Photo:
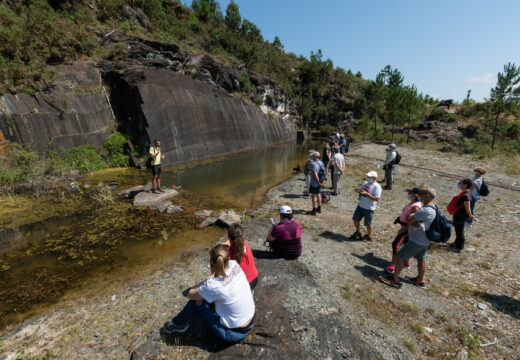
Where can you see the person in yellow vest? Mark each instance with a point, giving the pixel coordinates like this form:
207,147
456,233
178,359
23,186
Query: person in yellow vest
155,156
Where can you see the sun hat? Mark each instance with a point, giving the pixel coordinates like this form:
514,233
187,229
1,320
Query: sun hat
285,210
372,174
317,154
392,146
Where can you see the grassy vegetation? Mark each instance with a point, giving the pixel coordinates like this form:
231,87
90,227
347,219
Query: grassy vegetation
20,164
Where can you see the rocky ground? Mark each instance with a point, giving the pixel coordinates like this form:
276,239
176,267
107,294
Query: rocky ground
328,303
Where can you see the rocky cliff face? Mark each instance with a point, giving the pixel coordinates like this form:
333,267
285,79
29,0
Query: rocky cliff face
72,111
195,105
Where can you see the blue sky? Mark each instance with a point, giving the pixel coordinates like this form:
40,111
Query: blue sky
443,47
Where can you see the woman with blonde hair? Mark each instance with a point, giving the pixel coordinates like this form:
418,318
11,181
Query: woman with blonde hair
224,301
475,189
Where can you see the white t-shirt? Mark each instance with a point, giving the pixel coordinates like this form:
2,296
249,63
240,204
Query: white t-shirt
475,195
339,162
232,296
425,217
373,189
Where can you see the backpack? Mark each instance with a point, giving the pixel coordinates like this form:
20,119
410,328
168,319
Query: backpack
397,159
440,229
452,207
484,189
322,174
325,197
307,167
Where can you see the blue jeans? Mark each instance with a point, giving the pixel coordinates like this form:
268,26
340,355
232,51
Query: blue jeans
472,208
211,318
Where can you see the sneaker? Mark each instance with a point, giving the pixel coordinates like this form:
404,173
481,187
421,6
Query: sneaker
313,212
170,327
161,190
366,238
414,281
355,236
390,269
318,210
155,191
389,280
407,265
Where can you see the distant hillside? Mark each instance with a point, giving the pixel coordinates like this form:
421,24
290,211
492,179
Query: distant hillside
38,33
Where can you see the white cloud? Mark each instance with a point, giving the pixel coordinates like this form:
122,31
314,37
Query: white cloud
485,79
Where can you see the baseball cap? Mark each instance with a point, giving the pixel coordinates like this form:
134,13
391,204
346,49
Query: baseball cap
316,154
372,174
285,210
414,190
392,146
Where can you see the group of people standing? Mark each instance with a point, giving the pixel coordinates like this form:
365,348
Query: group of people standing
225,300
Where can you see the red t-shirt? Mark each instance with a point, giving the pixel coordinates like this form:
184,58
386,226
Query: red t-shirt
247,264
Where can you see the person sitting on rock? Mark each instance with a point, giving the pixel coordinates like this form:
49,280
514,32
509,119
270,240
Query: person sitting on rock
240,251
224,301
155,156
402,234
285,237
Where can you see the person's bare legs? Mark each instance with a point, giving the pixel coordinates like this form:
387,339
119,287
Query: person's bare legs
314,200
398,268
356,224
369,230
421,270
154,182
159,182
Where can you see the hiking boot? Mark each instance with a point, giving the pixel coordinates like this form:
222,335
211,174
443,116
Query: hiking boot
355,236
390,269
366,238
389,280
454,249
170,327
318,210
407,265
413,280
160,190
313,212
155,191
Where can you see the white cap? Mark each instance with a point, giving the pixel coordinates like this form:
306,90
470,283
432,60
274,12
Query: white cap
285,210
311,152
372,174
392,146
316,154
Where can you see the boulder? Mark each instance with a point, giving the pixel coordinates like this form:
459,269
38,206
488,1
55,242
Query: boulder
129,193
208,222
149,198
227,218
201,214
174,208
161,205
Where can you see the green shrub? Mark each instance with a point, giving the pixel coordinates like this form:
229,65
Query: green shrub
115,151
85,159
327,130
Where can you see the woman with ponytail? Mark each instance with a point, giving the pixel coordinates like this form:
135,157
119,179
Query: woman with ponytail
240,251
224,301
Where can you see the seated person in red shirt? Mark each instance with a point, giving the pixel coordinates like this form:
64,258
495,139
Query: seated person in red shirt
240,251
285,237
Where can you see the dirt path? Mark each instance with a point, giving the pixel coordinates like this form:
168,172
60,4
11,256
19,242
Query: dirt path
326,304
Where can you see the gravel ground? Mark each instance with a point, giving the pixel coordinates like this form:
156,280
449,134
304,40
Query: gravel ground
328,303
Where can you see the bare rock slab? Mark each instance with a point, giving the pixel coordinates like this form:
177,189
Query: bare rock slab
174,208
208,222
149,198
128,193
161,205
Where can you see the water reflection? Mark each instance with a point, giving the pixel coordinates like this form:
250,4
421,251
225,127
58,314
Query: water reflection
243,177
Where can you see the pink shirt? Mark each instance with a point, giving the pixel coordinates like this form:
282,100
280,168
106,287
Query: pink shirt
408,209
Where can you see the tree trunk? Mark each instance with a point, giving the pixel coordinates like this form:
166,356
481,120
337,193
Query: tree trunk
495,130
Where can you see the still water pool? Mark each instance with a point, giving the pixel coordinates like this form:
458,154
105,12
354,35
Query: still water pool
68,245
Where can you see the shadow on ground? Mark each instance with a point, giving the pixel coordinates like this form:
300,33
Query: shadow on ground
337,237
503,303
373,260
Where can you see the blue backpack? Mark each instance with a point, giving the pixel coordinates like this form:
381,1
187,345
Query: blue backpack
440,229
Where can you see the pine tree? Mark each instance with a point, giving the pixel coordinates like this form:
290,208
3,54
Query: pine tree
505,94
277,43
233,18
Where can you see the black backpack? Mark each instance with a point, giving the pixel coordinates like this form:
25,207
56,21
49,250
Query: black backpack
397,159
322,175
484,189
440,229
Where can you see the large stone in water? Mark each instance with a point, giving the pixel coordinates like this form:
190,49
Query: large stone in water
149,198
161,205
128,193
228,218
